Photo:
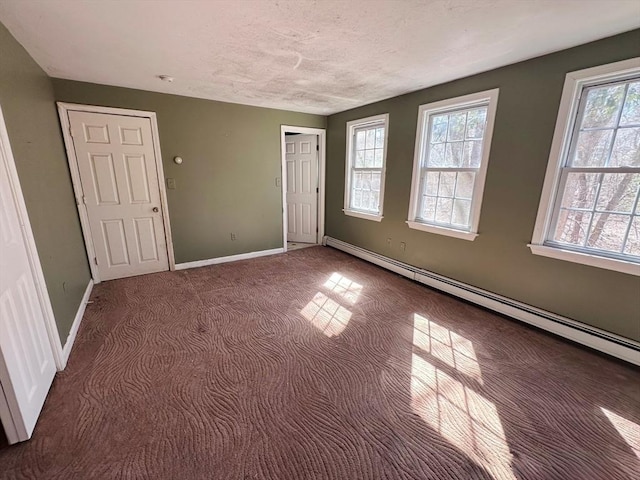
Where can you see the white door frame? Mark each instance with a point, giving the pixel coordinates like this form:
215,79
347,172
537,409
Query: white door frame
63,109
322,161
32,252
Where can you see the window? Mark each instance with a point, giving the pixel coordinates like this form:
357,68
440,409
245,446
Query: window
589,211
365,167
450,163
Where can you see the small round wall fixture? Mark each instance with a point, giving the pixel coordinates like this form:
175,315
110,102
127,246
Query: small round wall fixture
166,78
177,160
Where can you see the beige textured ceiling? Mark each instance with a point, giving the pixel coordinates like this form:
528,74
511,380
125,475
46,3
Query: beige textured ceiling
303,55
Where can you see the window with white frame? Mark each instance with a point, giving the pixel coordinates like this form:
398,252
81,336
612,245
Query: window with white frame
589,211
450,164
365,167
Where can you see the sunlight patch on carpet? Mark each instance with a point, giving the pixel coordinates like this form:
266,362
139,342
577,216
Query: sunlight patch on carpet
628,430
327,315
461,415
446,345
343,286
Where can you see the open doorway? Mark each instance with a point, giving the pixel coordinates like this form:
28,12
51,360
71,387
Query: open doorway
303,186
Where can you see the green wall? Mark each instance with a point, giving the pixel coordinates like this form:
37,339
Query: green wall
27,100
227,183
498,260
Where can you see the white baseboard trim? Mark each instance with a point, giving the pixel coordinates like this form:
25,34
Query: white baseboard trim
230,258
606,342
71,338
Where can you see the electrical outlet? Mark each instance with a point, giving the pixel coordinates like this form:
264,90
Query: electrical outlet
277,181
233,236
171,183
389,242
403,246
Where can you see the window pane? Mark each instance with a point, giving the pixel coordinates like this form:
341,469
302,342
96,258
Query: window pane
428,209
366,194
375,181
375,197
444,208
472,154
371,138
357,199
618,192
602,106
633,241
476,120
360,136
457,126
461,210
453,154
366,181
431,183
572,227
360,159
608,231
580,190
439,128
453,129
626,148
379,138
357,180
464,184
447,184
631,109
436,155
377,161
592,148
368,158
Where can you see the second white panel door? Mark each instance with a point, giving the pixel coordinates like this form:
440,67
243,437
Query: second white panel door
302,183
118,172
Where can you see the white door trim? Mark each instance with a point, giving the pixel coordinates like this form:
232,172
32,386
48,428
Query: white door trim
63,109
322,160
32,251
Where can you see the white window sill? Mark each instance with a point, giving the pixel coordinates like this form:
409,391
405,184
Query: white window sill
450,232
586,259
366,216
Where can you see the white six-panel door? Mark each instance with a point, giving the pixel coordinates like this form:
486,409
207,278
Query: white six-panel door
117,166
27,366
302,183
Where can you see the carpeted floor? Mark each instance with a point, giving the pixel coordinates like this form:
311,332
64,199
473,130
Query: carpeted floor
316,365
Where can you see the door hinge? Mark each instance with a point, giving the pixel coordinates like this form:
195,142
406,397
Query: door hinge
317,148
84,199
95,260
317,190
316,229
70,131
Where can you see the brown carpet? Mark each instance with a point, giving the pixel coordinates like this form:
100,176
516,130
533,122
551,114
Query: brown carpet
316,365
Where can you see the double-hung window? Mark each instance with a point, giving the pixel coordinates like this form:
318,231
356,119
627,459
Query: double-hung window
450,163
589,211
365,167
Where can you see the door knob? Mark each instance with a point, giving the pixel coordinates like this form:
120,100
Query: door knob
155,209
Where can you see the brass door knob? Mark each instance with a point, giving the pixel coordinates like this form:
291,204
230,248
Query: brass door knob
155,209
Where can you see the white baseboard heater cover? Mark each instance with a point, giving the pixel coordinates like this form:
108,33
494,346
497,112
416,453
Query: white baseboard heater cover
606,342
